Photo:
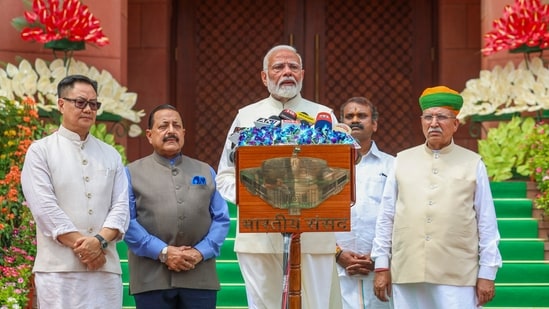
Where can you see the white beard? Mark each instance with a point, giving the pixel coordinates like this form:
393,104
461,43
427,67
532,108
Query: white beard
285,91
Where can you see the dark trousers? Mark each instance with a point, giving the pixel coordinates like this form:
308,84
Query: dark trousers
177,298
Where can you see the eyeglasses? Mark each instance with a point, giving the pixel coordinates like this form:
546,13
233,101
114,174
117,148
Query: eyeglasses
279,67
438,117
82,103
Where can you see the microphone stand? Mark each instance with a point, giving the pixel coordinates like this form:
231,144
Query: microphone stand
286,270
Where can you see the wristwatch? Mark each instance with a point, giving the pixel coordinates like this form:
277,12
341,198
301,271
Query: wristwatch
163,255
102,241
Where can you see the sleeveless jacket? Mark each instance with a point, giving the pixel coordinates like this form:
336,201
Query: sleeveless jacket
435,239
172,203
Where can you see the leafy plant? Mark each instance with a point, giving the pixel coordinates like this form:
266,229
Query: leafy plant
100,131
505,149
538,163
520,146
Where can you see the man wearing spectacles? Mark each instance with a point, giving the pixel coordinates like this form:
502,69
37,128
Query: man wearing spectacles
436,243
260,254
81,103
77,191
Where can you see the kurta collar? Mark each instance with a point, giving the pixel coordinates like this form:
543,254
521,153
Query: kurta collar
444,150
167,162
374,151
292,104
72,136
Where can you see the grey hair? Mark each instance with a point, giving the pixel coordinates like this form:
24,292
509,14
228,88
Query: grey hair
277,48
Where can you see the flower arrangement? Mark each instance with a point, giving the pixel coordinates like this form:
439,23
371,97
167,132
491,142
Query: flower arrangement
65,25
26,90
523,28
19,127
538,154
520,146
51,21
507,90
40,82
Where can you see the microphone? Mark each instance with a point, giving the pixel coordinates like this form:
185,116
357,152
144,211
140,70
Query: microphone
275,117
287,114
235,136
323,120
271,121
305,118
343,128
289,123
288,118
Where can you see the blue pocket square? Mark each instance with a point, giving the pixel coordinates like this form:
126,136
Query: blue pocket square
199,180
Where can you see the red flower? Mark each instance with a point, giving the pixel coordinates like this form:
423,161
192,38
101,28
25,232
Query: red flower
49,21
523,24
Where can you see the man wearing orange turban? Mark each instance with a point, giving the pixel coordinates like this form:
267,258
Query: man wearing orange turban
436,238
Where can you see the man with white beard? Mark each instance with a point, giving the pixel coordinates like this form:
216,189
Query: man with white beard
260,254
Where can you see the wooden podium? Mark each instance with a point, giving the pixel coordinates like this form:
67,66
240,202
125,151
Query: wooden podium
291,189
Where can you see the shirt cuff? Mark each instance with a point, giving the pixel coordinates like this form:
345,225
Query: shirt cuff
488,272
382,262
205,250
62,231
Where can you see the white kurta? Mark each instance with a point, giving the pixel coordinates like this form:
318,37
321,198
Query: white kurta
95,290
370,176
260,254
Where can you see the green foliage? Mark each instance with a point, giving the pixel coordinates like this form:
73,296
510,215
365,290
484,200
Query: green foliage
538,163
505,149
100,131
520,146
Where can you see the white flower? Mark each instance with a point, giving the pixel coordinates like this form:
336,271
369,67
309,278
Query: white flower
135,130
507,90
41,82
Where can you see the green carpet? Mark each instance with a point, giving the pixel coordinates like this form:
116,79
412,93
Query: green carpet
522,282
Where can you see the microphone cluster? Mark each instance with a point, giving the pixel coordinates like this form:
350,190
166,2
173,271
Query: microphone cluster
288,118
294,128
